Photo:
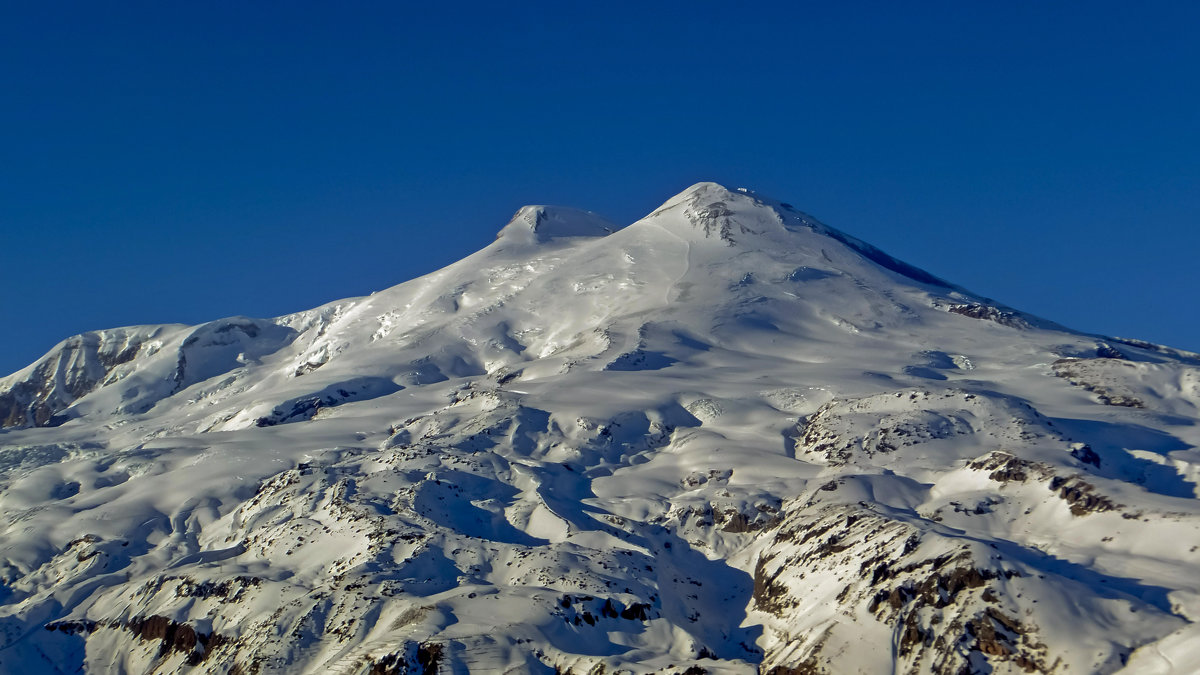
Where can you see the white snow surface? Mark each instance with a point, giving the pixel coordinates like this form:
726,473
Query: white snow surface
726,438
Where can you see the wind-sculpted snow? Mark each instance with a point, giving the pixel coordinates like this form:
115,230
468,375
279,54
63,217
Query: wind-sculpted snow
724,439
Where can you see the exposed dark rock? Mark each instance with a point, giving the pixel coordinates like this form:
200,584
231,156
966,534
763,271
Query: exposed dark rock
1081,495
171,635
429,655
912,635
977,310
1191,357
807,667
415,659
304,408
1106,351
716,219
74,627
736,521
228,588
1084,373
638,610
75,368
932,603
1085,454
392,664
769,594
1007,468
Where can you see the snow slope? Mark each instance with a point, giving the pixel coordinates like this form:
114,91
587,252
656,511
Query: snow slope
726,438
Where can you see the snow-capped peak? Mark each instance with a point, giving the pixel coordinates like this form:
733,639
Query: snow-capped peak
538,224
725,439
710,211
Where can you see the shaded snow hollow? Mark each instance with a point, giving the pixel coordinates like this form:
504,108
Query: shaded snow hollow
541,224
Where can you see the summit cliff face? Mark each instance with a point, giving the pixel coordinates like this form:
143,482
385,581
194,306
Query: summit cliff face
726,438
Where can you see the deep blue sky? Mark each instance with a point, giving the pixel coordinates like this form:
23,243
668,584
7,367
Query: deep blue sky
179,162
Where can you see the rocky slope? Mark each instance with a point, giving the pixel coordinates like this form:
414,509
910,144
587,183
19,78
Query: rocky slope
726,438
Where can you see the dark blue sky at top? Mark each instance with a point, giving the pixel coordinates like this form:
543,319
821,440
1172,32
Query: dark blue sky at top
180,162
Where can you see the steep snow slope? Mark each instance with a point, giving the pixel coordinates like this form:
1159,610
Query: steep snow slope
725,438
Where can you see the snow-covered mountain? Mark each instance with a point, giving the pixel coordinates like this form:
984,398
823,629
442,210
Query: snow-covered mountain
726,438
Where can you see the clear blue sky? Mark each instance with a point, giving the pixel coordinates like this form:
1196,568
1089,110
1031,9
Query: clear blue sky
179,162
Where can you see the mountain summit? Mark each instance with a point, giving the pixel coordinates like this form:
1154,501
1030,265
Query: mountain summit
726,438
